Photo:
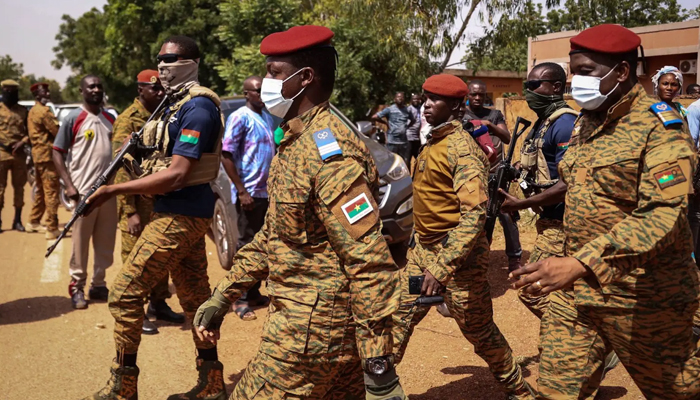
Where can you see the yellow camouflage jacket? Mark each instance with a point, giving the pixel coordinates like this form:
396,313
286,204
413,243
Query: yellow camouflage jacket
13,128
628,177
131,120
449,196
43,127
321,247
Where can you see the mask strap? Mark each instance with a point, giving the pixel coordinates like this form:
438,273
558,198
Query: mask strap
290,77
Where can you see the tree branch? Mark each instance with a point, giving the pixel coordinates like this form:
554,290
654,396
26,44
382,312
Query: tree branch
455,40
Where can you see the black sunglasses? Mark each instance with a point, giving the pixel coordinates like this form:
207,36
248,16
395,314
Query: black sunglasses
535,83
170,58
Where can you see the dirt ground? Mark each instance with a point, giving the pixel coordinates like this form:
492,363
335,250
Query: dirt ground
50,351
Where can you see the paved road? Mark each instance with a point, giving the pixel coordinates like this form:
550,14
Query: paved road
50,351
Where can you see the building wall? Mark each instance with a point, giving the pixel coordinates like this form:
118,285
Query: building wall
496,87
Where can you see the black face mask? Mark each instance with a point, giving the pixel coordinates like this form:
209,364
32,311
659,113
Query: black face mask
10,98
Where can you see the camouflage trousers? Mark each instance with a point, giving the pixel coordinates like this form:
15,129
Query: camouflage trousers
169,243
278,374
468,299
46,199
18,167
549,243
160,291
653,341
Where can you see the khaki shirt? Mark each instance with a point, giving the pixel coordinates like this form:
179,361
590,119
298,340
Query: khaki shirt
13,129
128,122
43,127
627,180
327,265
449,196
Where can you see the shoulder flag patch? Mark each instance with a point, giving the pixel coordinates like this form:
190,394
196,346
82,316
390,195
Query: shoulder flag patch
189,136
563,146
326,143
357,208
670,176
666,114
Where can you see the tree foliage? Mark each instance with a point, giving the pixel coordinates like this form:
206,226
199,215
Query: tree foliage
12,70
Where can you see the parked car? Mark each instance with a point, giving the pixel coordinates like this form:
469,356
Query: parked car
395,194
28,104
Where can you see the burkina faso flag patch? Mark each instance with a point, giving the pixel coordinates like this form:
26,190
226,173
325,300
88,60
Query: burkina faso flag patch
357,208
669,177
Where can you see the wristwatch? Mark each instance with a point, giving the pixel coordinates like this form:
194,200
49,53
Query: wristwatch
378,365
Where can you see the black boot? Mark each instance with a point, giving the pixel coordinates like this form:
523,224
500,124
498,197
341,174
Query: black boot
17,224
162,311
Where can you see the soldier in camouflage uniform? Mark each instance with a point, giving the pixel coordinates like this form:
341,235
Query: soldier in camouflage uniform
13,137
627,277
189,132
134,210
43,127
450,247
330,276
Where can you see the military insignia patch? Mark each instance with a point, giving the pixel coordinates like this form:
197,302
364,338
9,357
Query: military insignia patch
357,208
421,165
154,79
326,143
89,134
666,114
670,176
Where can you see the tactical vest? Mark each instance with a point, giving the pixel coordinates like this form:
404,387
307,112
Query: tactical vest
155,133
531,156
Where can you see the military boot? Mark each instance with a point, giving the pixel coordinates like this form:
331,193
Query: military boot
524,393
122,385
210,384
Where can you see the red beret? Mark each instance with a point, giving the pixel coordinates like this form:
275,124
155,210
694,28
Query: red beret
605,38
37,85
149,76
295,39
446,85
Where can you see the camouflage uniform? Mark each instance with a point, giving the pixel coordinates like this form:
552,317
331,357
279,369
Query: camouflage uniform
627,179
130,121
43,127
13,129
330,281
450,180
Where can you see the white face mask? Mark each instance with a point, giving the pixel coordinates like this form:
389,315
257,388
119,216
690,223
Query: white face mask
271,95
586,90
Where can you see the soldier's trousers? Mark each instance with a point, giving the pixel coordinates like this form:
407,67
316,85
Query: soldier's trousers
169,243
468,299
46,199
653,341
18,167
159,292
549,243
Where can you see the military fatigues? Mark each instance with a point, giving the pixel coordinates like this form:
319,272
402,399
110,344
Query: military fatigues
13,129
43,127
330,276
130,121
449,191
627,179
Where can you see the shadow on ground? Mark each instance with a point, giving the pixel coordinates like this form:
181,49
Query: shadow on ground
498,272
234,381
611,393
479,385
34,309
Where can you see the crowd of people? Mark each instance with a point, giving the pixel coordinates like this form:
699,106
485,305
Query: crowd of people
612,275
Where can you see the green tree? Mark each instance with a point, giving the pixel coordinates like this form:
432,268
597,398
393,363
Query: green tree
26,81
10,69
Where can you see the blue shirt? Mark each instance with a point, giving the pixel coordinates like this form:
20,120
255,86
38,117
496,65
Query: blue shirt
693,118
194,130
556,141
249,137
413,131
399,119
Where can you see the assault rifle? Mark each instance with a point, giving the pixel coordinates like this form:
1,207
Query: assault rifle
505,173
133,146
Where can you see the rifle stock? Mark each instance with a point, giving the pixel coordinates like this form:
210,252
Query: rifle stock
504,175
83,207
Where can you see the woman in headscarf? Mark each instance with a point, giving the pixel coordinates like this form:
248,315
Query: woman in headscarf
668,83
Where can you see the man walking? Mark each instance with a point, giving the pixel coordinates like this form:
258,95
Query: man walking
13,137
187,134
43,127
413,132
399,118
134,211
81,152
247,152
450,247
496,123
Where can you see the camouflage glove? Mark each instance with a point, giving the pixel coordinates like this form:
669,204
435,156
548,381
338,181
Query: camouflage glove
211,313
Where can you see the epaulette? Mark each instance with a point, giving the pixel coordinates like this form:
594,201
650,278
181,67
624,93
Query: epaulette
666,114
326,143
